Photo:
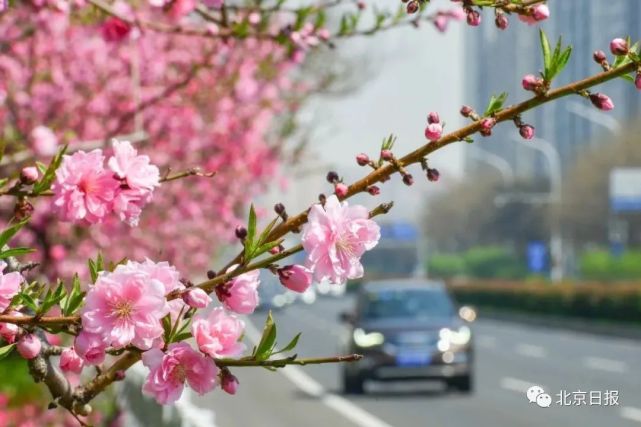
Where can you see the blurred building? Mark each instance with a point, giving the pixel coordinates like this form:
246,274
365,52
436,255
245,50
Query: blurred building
497,60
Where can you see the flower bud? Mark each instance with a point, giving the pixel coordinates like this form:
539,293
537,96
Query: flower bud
387,154
488,123
433,174
433,131
340,189
412,7
279,208
331,177
433,118
602,101
295,277
473,18
9,331
637,81
373,190
211,274
466,110
361,5
29,175
619,46
119,375
540,12
70,361
531,82
526,131
228,382
408,179
241,232
196,298
276,249
501,21
362,159
29,346
599,56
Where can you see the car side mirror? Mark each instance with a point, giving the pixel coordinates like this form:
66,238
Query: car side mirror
467,313
346,317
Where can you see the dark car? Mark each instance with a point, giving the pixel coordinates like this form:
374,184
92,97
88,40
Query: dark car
408,330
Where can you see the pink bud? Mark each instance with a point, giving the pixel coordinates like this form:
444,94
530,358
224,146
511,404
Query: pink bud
115,30
501,21
599,56
527,131
340,189
531,82
412,7
9,331
440,22
386,154
295,277
433,174
196,298
70,361
473,18
540,12
637,81
619,47
602,101
362,159
229,382
374,190
466,110
29,346
29,175
433,131
90,347
433,118
408,179
488,123
323,34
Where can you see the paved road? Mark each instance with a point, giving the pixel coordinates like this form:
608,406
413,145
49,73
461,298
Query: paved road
510,358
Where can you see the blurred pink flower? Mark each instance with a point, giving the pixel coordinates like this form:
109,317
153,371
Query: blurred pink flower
218,334
170,370
70,361
136,170
44,141
335,237
83,189
90,347
196,298
29,346
295,277
125,307
241,293
9,286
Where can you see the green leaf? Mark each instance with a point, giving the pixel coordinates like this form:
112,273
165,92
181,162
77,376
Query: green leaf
495,104
48,176
251,233
268,340
52,298
8,234
72,301
15,252
29,302
291,344
263,236
182,336
547,57
265,247
6,350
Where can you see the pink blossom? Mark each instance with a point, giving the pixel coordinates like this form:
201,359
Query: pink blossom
125,307
335,237
602,101
9,331
170,370
29,346
44,141
90,347
29,174
341,189
240,295
214,3
70,361
196,298
541,12
115,29
295,277
83,189
433,131
637,81
9,286
218,334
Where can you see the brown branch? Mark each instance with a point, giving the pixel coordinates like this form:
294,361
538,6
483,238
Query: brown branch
279,363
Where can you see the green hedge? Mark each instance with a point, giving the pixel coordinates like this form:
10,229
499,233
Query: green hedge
601,265
620,302
481,262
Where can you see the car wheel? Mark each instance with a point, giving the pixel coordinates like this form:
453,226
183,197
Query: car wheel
463,384
353,384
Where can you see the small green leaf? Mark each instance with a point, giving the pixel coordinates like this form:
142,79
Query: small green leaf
547,57
263,236
268,340
29,302
49,175
495,104
15,252
291,344
8,234
265,247
6,350
182,336
72,301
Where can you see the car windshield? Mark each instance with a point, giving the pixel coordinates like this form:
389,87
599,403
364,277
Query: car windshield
416,304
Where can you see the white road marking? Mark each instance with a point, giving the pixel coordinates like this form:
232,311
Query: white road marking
530,350
604,364
515,384
630,413
307,384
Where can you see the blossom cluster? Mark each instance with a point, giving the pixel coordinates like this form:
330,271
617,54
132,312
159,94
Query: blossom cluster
86,192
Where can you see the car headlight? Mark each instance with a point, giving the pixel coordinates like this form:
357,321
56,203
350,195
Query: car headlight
363,339
457,337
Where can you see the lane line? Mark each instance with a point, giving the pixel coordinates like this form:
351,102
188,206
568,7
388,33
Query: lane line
602,364
631,413
515,384
308,385
530,350
486,341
